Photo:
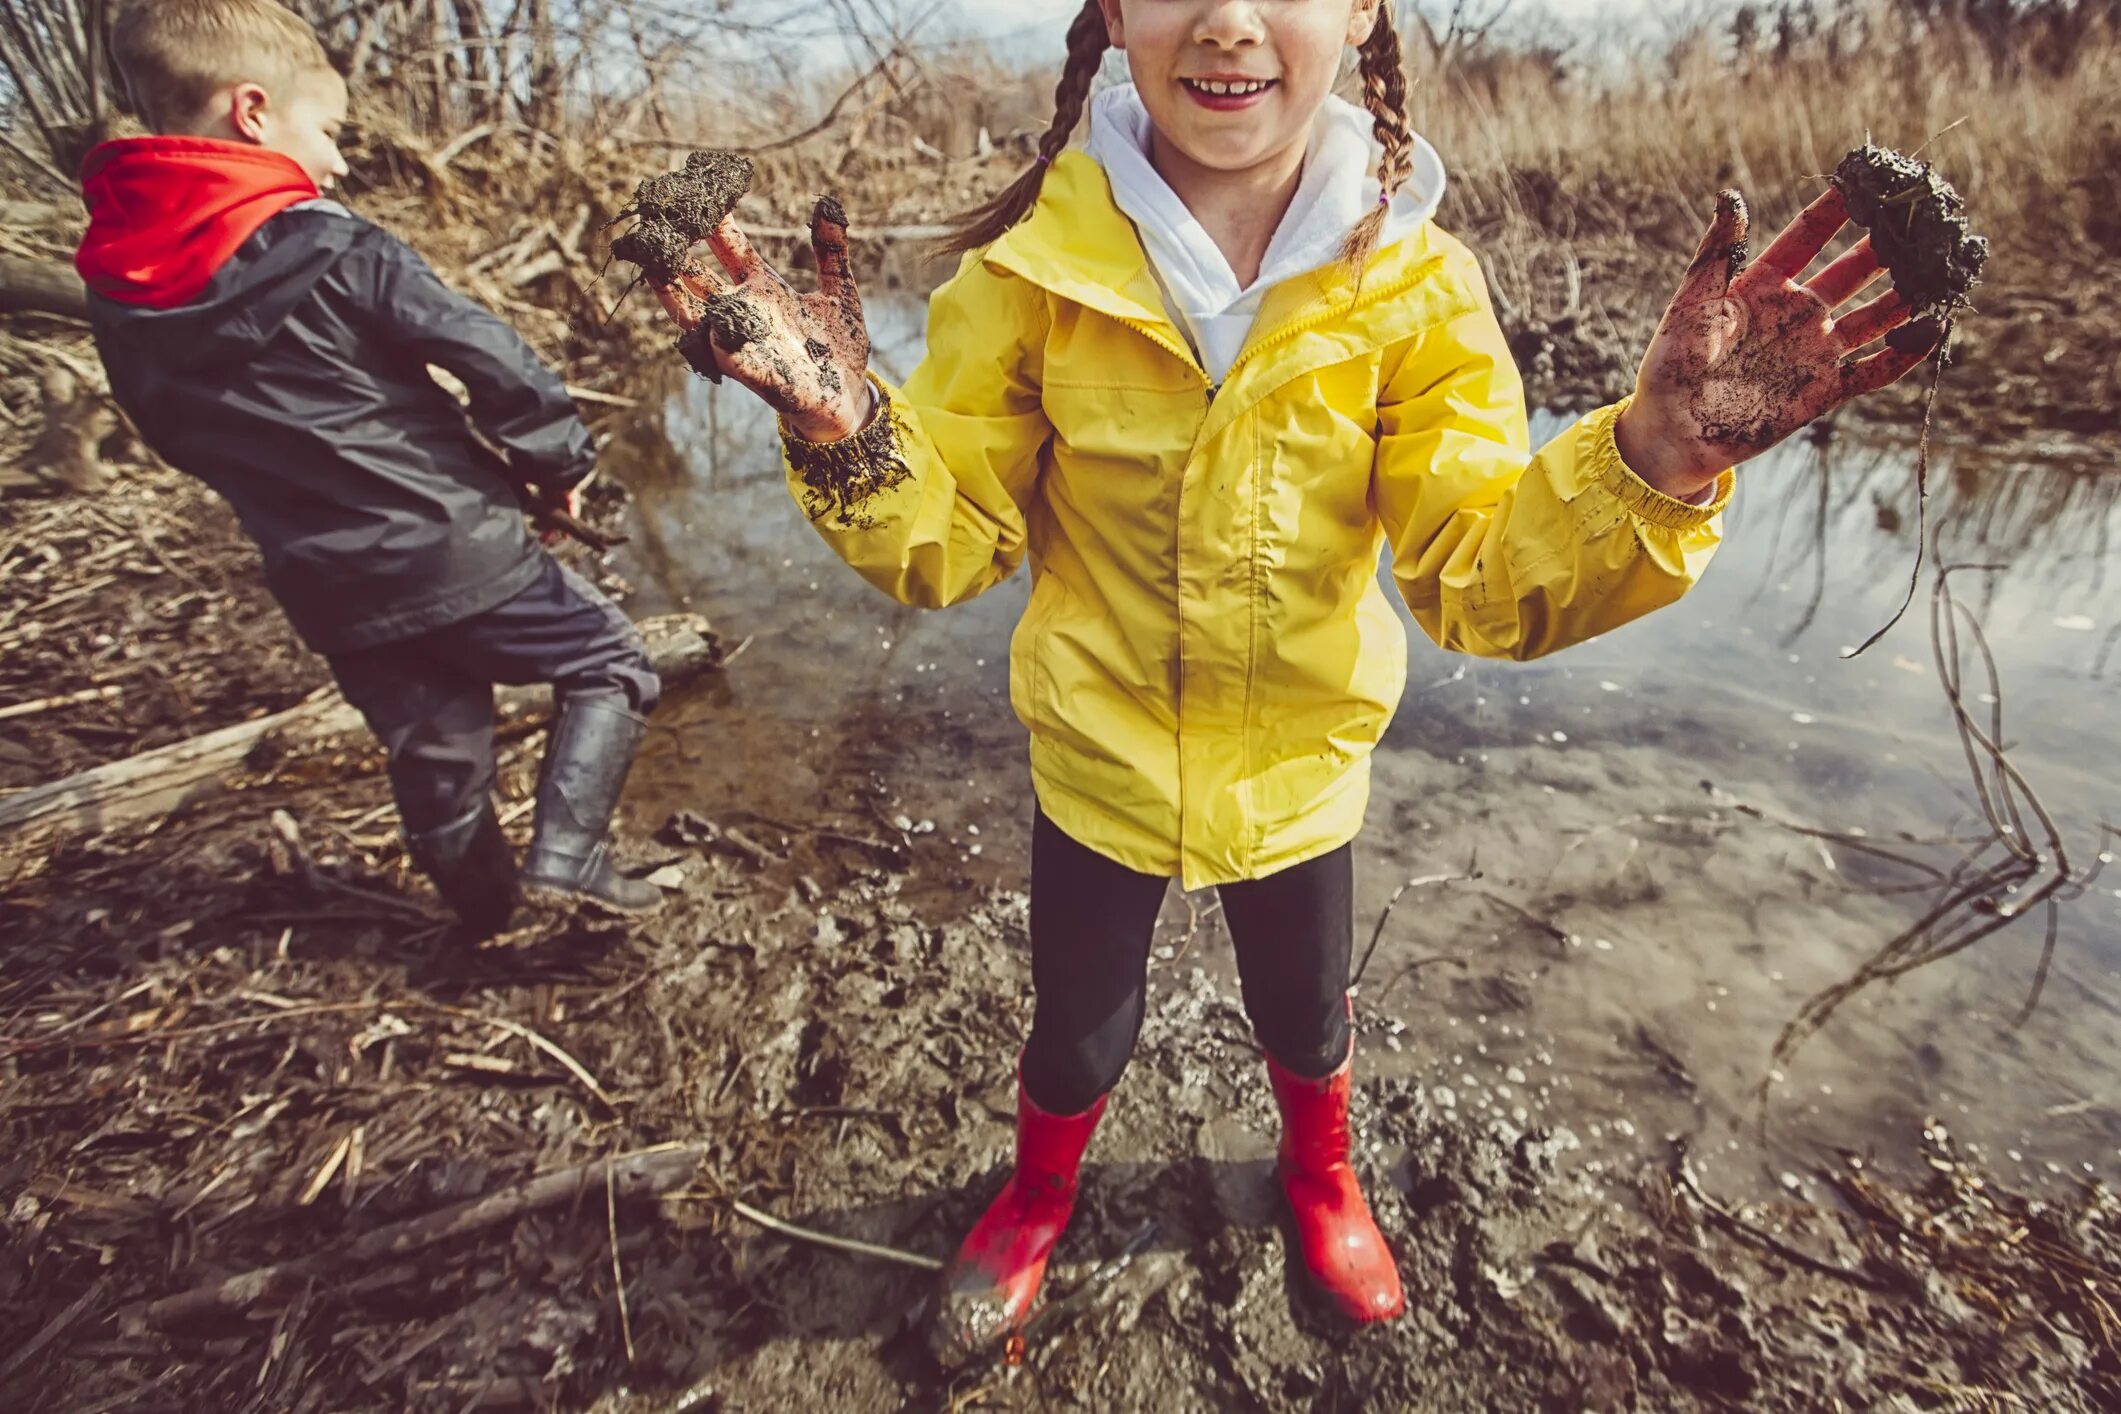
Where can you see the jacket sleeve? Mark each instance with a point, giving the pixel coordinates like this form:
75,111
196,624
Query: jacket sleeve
1506,554
949,522
516,401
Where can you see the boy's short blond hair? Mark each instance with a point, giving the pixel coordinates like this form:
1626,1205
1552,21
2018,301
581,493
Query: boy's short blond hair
176,55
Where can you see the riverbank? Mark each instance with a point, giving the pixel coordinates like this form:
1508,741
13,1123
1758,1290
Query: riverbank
229,1047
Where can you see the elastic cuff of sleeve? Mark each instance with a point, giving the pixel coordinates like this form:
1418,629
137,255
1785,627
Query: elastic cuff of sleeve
879,401
840,479
1600,455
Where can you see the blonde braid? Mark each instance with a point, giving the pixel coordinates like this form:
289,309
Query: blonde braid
983,224
1384,96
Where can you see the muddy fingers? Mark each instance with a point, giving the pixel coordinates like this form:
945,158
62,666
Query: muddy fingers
1887,366
1847,276
828,243
1802,240
805,355
734,249
1866,322
1721,254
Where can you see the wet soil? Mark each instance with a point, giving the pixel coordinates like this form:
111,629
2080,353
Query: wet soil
675,210
733,322
1917,225
830,1013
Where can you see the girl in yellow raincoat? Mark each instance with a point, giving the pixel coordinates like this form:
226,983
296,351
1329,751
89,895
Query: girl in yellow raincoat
1201,374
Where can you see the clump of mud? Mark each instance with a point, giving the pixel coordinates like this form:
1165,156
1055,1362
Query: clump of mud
1917,224
673,211
734,322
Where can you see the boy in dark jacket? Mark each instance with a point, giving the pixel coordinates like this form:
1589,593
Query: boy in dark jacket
271,343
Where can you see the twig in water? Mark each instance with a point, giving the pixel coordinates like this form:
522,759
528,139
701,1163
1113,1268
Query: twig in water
1683,1177
1922,488
1970,904
1422,882
1417,965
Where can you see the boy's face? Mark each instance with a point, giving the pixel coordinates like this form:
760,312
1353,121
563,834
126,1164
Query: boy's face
1274,60
302,121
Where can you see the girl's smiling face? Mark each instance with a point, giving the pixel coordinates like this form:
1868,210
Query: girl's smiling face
1232,85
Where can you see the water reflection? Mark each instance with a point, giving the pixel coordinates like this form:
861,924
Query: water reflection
1606,790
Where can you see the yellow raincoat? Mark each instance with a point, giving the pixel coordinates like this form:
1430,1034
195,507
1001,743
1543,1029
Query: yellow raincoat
1207,658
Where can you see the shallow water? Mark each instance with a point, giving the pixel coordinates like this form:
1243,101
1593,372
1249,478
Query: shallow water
1645,921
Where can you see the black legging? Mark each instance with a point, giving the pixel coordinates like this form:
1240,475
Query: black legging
1091,925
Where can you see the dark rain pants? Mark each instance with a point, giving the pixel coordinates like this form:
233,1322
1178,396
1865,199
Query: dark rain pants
1092,922
430,699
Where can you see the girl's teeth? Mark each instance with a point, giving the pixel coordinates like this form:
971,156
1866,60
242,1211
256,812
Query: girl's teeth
1225,89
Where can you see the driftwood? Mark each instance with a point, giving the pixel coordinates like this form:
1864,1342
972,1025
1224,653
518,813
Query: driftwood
650,1172
154,782
75,423
41,287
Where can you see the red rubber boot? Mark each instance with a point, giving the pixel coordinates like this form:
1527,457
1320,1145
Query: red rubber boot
1342,1248
991,1285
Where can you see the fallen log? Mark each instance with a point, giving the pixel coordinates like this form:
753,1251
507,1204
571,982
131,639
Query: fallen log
75,423
640,1175
41,287
151,784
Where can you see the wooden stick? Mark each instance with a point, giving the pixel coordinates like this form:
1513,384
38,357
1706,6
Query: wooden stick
642,1174
578,529
145,786
1683,1175
618,1277
574,1067
826,1239
54,1328
595,395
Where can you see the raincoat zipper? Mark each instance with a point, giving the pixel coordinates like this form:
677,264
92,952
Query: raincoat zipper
1306,323
1286,331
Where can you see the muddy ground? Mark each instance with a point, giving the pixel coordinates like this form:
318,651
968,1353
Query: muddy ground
231,1043
243,1035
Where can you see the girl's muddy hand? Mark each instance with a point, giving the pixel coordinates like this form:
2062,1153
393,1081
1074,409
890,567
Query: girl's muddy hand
807,356
1747,354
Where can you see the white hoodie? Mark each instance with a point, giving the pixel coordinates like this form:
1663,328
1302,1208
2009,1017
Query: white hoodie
1335,191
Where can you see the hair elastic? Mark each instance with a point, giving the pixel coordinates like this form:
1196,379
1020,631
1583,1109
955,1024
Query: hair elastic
1044,160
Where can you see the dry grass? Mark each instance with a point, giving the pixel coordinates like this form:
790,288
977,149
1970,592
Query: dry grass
2016,106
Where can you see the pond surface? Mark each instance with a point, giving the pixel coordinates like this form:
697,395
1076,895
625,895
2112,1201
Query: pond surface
1652,908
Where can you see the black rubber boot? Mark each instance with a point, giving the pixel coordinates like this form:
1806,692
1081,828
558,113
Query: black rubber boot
592,747
472,867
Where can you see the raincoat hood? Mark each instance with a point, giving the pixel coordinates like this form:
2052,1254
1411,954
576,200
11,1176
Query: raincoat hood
166,213
1335,192
294,380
